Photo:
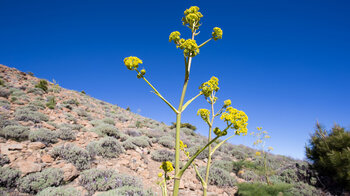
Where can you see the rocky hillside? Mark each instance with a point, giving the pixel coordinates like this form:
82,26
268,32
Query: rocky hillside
56,141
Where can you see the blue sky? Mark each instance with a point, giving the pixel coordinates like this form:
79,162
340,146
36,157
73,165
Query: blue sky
285,63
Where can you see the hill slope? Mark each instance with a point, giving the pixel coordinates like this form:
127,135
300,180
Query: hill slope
56,137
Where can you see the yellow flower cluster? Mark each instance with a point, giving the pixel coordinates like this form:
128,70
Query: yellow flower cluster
192,17
167,166
270,148
190,47
132,62
183,148
204,113
238,119
174,36
217,33
218,132
210,86
227,103
258,153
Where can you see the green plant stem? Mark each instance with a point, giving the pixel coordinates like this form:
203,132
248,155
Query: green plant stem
190,101
204,43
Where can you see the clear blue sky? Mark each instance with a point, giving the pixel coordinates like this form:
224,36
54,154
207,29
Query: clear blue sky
285,63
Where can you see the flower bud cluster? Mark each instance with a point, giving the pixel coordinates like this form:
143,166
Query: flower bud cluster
210,86
218,132
132,62
192,18
189,46
141,73
237,118
174,36
227,103
204,113
167,166
217,33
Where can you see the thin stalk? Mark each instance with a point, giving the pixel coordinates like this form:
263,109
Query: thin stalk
204,43
209,147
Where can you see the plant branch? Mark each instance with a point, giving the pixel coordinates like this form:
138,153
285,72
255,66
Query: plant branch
204,43
189,101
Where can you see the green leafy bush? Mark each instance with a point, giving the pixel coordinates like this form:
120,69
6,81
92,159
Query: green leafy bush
107,147
43,135
30,113
59,191
127,191
330,155
102,180
2,83
163,155
9,177
141,141
51,102
73,154
254,189
16,132
42,84
218,177
35,182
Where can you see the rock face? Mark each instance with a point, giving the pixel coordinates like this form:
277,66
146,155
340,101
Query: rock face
70,171
26,167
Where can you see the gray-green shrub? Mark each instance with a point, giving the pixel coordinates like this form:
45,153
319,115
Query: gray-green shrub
128,191
73,154
4,160
16,132
102,180
4,92
59,191
66,133
141,141
43,135
30,113
128,145
8,177
106,130
167,141
219,177
163,155
35,182
254,189
107,147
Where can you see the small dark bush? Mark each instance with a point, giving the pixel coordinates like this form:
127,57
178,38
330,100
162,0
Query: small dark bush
73,154
36,91
4,92
219,177
107,147
128,191
133,133
43,135
35,182
51,102
2,83
59,191
16,132
8,177
42,84
141,141
5,104
163,155
102,180
106,130
29,113
254,189
4,160
30,73
167,141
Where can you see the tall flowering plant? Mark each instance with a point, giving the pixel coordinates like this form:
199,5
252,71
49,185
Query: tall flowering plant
191,19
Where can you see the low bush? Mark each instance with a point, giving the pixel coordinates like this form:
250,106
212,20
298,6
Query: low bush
4,92
107,147
30,113
141,141
249,175
203,155
81,112
36,91
2,83
35,182
51,102
42,84
163,155
73,154
123,137
102,180
226,165
253,189
4,160
128,145
66,133
106,130
38,104
16,132
167,141
303,189
9,177
43,135
133,133
59,191
128,191
109,121
5,104
218,177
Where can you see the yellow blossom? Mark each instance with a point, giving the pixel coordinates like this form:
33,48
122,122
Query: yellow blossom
227,103
132,62
204,113
174,36
192,18
190,47
267,136
167,166
258,153
237,118
217,33
160,174
270,148
210,86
